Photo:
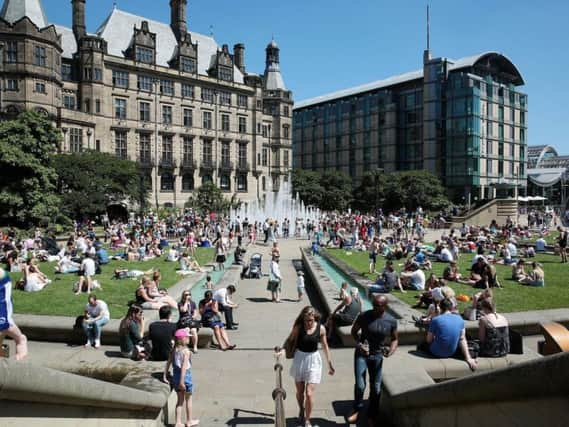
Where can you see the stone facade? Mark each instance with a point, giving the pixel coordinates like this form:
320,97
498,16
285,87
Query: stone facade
172,100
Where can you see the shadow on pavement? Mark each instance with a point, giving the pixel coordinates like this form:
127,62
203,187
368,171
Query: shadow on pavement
250,418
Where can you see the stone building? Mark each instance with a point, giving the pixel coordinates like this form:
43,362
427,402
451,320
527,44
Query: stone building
170,99
464,120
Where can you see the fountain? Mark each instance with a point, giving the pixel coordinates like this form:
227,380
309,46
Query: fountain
279,205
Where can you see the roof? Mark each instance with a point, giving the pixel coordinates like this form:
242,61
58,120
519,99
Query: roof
117,30
14,10
273,78
546,177
454,65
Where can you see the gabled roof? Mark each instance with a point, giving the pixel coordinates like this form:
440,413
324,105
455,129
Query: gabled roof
14,10
117,30
467,62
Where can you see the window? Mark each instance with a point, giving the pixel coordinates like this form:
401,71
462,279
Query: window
120,108
265,157
286,159
224,183
187,65
188,117
144,148
286,131
489,129
66,72
225,153
489,167
144,54
242,101
242,155
145,83
187,182
88,73
266,130
286,111
11,52
501,131
207,119
224,98
225,122
242,182
75,140
207,152
120,78
522,117
242,124
501,168
225,73
166,87
98,145
69,102
522,135
97,106
167,182
144,112
120,144
87,104
187,90
187,149
206,179
40,56
489,110
167,114
167,145
98,74
264,184
207,95
501,113
12,85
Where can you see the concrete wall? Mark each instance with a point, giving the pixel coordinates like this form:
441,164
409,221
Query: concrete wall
497,209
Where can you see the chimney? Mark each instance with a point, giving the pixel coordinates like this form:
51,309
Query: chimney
239,56
178,18
79,29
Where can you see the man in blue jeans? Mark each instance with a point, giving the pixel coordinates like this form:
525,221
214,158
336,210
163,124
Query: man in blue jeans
375,325
96,316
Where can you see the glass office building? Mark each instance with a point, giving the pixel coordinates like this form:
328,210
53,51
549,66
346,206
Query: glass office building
463,120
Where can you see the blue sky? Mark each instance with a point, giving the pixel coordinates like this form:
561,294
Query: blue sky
327,45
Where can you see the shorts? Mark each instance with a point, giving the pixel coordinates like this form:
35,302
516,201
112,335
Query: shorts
187,380
220,259
342,319
373,257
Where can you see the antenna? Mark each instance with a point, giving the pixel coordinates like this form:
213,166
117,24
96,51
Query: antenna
115,4
211,30
428,29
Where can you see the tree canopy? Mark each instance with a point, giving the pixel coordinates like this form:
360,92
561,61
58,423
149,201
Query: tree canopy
208,198
330,190
88,182
27,178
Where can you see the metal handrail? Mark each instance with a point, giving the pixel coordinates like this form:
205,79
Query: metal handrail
279,393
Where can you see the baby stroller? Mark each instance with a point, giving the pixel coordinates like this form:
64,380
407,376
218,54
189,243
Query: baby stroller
255,266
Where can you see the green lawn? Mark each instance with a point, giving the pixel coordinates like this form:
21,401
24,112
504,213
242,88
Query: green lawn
59,300
513,297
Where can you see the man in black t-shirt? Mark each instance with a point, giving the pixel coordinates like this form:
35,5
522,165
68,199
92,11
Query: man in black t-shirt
161,334
375,326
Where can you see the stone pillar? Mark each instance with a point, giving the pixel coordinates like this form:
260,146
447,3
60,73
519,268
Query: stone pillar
79,29
239,56
178,18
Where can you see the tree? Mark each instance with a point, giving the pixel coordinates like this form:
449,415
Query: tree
27,178
307,185
337,191
370,194
89,182
208,198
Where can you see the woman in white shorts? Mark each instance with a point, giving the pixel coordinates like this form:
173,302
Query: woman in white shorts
306,367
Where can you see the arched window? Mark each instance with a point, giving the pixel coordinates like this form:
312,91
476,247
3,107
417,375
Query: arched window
224,183
206,179
187,182
264,184
167,182
241,182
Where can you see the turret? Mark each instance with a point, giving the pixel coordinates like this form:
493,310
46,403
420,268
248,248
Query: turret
178,18
239,56
79,29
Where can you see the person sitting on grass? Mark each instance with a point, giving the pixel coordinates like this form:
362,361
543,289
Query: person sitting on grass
446,336
88,271
34,279
451,273
518,271
188,265
387,281
421,259
65,265
536,277
148,297
413,279
346,312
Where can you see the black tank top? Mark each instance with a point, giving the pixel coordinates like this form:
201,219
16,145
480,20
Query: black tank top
308,343
138,297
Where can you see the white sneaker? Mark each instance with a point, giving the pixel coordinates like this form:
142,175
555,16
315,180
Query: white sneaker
97,343
88,344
